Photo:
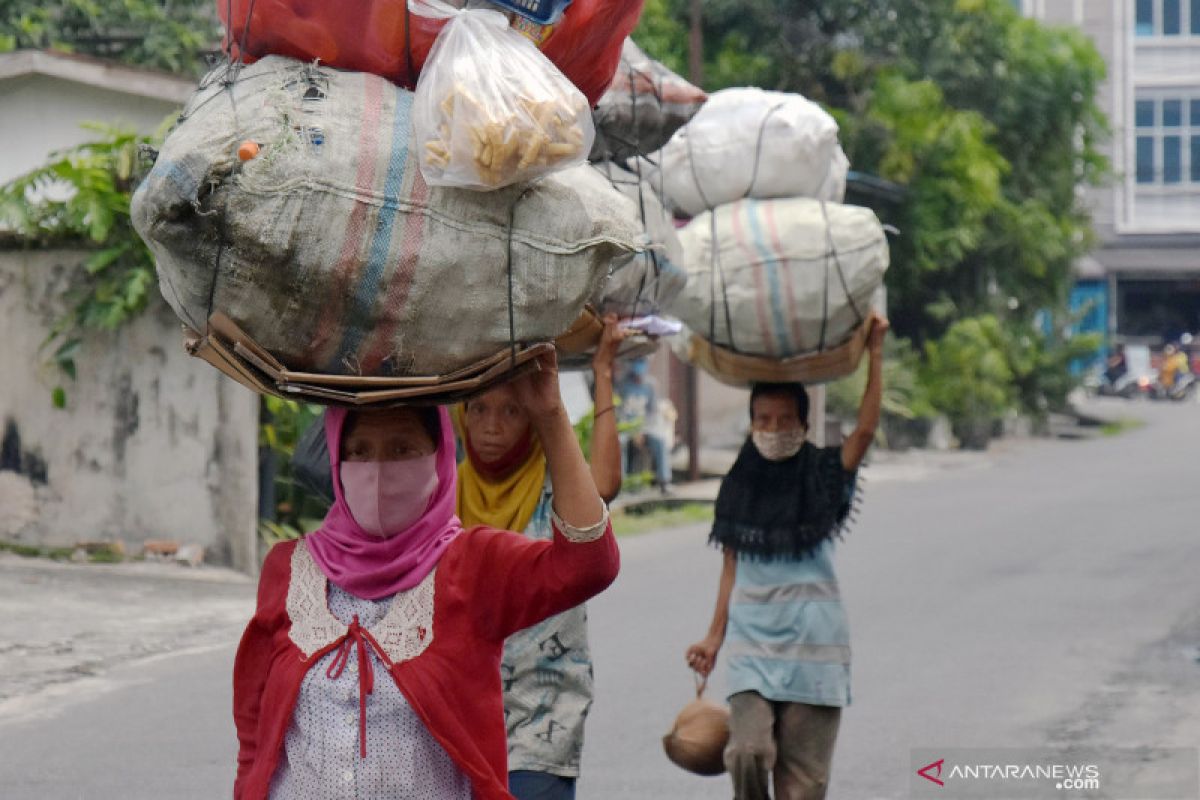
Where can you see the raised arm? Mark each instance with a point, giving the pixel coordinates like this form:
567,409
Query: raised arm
576,499
854,449
525,580
702,656
606,447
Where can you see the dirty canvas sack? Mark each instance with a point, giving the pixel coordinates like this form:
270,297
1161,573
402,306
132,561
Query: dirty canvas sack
491,110
648,283
328,249
753,143
643,107
781,278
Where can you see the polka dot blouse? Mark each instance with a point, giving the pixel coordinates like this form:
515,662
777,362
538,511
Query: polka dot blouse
322,756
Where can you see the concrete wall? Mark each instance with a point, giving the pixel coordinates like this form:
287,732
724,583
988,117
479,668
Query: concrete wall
152,443
42,114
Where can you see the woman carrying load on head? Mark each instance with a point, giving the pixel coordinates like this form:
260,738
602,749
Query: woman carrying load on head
779,614
371,667
546,669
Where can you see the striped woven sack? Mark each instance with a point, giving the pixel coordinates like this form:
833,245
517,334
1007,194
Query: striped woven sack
781,278
328,249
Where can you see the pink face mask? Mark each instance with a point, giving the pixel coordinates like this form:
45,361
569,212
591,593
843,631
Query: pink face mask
385,497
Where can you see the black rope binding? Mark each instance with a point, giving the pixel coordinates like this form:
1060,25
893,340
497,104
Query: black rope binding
512,314
758,147
228,81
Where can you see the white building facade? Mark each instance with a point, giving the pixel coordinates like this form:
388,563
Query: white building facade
1145,273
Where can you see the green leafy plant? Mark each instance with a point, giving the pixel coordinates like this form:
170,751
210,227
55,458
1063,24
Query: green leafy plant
1040,359
81,199
297,509
968,377
174,36
903,394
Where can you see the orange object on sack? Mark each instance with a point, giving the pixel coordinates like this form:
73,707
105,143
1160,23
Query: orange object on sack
248,150
370,36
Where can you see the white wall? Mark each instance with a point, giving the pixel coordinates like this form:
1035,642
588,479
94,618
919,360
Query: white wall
40,114
152,444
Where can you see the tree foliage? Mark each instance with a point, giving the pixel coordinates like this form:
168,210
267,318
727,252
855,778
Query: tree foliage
171,35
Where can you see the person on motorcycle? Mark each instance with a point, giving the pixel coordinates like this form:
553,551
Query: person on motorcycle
1116,366
1174,365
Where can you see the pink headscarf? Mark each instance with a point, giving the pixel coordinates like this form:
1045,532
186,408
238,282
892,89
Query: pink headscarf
371,567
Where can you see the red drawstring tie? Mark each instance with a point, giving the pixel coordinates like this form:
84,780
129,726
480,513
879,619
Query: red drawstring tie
357,635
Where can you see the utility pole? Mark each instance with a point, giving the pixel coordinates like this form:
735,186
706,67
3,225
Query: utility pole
691,380
696,45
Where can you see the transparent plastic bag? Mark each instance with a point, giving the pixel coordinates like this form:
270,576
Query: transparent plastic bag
490,110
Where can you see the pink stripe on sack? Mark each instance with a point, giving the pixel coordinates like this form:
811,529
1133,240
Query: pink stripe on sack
784,275
328,334
400,284
759,287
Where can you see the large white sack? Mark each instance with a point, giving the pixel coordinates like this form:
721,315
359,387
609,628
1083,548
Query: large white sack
789,276
753,143
651,280
332,253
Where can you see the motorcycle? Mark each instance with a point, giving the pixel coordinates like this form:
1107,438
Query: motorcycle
1185,388
1126,385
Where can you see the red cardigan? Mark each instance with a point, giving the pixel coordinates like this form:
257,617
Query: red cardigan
488,585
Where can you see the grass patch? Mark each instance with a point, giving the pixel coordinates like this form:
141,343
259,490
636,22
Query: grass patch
1123,425
103,556
632,522
33,551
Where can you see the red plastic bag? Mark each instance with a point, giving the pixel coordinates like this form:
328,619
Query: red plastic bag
369,36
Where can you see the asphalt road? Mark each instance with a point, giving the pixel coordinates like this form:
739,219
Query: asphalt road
1046,595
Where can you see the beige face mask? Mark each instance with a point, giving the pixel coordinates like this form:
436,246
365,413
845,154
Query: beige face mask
778,445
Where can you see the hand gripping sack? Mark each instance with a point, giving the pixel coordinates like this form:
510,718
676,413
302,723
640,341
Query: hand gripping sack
329,250
649,282
643,107
697,741
781,278
387,38
753,143
490,110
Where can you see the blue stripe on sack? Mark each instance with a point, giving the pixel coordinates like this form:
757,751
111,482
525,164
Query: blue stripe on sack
370,281
771,265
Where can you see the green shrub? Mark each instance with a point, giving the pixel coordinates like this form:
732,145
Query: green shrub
968,376
297,510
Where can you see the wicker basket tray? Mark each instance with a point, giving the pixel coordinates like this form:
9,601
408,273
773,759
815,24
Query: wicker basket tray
741,370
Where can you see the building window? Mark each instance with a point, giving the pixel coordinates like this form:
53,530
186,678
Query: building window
1167,143
1171,17
1166,17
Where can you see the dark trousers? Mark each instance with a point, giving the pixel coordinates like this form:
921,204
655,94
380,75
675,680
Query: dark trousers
528,785
793,742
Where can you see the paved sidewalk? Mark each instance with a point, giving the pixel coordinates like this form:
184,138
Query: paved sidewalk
60,623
